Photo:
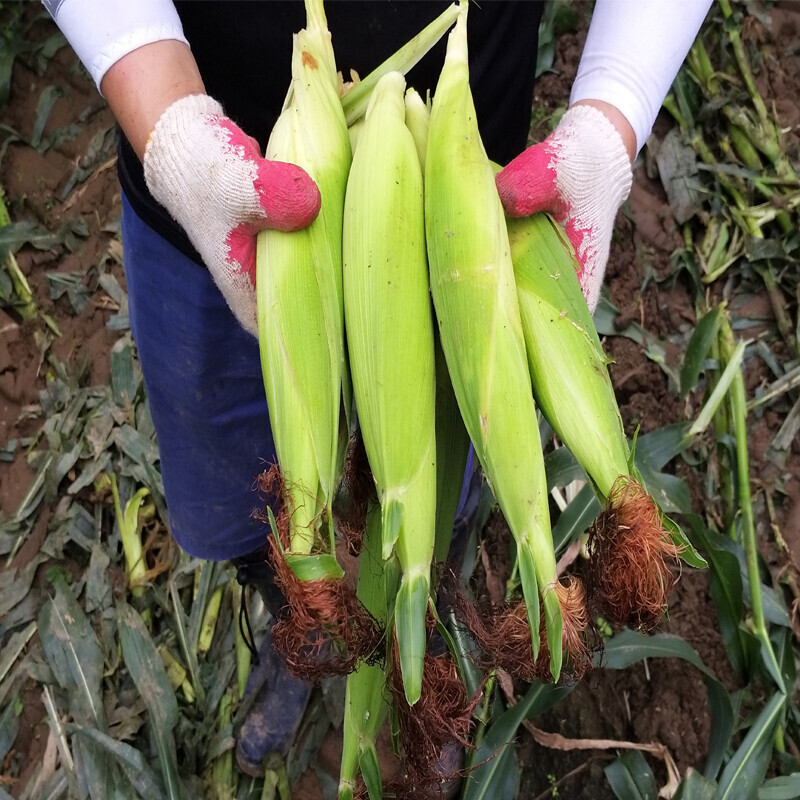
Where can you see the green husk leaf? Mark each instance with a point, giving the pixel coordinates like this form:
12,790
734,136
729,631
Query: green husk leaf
410,609
355,101
452,452
392,523
317,566
371,772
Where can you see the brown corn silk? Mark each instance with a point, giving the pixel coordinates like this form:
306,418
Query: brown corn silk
629,572
323,630
503,635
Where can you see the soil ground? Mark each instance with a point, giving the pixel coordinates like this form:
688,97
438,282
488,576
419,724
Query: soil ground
662,701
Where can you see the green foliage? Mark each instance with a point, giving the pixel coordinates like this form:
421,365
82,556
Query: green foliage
497,769
631,778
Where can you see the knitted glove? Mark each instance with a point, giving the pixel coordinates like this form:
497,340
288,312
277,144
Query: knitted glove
213,180
581,174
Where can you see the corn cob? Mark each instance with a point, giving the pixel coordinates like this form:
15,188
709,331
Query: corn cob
629,576
390,337
299,290
567,364
473,290
452,441
301,340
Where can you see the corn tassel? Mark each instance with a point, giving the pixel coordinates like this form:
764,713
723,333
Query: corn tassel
299,290
472,282
390,337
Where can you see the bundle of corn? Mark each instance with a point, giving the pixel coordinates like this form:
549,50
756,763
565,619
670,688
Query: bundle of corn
301,339
631,549
472,283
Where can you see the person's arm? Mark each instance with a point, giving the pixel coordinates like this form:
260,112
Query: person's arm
144,83
582,172
208,173
618,120
632,54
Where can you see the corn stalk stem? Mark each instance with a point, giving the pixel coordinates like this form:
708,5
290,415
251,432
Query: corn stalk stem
786,383
741,209
223,775
738,409
130,534
742,62
365,693
721,428
209,624
243,654
315,14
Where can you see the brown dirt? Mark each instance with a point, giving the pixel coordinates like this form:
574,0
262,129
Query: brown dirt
664,701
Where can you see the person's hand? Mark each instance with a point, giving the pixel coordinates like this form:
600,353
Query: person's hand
213,180
581,174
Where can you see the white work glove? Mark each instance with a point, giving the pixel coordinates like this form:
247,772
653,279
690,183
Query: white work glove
581,174
213,179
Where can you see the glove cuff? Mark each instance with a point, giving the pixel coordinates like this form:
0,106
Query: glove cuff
168,138
592,152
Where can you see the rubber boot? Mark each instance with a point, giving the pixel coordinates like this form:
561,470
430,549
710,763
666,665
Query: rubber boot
279,700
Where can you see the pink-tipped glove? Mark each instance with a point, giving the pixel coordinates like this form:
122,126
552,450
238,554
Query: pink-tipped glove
213,180
581,174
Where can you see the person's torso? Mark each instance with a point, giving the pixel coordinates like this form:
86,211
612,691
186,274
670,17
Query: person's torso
243,50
